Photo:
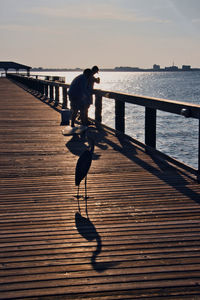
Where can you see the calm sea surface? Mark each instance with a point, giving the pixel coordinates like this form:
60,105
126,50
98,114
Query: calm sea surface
176,135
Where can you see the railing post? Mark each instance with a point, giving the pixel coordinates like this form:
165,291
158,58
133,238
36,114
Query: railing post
98,108
35,85
120,116
64,104
42,88
51,93
57,94
46,90
37,88
150,127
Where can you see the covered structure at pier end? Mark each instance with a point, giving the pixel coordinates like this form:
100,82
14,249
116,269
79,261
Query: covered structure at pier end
9,65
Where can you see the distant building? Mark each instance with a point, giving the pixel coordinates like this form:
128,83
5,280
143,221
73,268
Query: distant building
156,67
172,68
186,67
126,69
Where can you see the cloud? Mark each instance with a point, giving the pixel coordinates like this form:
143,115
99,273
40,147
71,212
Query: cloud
196,21
95,11
24,28
14,27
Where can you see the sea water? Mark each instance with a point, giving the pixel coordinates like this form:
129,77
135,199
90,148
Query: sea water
177,136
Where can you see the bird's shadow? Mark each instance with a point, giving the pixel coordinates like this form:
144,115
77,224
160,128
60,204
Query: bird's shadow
88,231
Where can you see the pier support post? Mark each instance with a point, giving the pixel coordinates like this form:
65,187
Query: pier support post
120,116
150,127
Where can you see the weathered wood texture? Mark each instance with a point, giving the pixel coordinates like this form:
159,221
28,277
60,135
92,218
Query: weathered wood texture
142,238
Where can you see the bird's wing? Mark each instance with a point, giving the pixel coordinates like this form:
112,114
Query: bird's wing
83,166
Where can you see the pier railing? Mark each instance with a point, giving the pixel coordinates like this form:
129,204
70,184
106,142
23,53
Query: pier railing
57,91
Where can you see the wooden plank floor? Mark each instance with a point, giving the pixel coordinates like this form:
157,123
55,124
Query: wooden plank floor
142,238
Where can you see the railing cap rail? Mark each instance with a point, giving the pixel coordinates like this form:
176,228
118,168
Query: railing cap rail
171,106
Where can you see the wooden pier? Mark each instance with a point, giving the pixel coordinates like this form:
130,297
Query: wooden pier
142,237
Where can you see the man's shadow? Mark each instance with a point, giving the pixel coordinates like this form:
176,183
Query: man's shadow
88,231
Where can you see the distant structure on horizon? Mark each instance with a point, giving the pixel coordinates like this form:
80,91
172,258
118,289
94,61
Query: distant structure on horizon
186,68
175,68
9,66
155,68
172,68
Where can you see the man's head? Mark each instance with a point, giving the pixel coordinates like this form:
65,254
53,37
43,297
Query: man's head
95,70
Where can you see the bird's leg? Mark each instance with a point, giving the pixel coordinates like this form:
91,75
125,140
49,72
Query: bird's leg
78,199
79,206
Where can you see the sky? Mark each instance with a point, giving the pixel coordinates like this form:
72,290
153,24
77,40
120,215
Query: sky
107,33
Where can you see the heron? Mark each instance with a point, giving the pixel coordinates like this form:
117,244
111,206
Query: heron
82,168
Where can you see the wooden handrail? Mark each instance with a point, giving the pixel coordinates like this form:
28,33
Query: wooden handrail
170,106
50,89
